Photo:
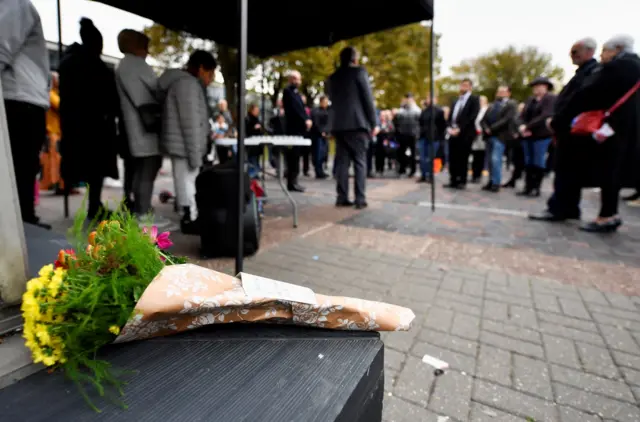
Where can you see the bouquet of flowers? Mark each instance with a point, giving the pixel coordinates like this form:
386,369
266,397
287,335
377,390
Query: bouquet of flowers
122,284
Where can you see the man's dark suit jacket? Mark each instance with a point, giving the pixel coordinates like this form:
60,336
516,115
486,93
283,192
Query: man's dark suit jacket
504,126
466,118
352,107
294,111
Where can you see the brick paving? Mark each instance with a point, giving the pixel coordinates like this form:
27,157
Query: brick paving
521,348
538,322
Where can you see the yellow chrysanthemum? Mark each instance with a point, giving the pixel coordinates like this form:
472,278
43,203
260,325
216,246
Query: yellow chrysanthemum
114,329
46,271
42,333
34,285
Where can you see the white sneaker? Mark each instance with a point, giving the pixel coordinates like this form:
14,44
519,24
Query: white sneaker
159,222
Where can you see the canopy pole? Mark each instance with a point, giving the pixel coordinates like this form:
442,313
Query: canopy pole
59,18
243,6
432,128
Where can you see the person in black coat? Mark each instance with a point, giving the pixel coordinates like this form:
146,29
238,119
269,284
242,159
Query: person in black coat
253,127
353,117
536,136
320,129
298,124
462,132
572,165
499,125
426,143
89,104
618,155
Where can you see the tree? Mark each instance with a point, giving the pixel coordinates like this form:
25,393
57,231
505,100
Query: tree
509,66
396,59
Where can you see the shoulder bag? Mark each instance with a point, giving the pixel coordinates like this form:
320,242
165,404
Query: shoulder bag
590,122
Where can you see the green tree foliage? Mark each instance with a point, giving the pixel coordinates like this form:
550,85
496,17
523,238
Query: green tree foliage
397,61
509,66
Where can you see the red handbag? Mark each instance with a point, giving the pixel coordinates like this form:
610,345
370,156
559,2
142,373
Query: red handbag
589,122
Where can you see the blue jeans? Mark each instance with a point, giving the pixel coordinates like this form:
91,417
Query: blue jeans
535,152
426,161
497,152
319,155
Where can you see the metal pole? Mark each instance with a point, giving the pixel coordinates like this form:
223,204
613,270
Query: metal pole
67,188
243,6
432,123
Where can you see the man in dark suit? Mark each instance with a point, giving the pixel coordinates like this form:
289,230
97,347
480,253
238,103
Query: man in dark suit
462,132
298,124
499,125
572,152
353,122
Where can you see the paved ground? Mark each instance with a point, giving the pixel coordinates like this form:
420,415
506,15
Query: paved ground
539,322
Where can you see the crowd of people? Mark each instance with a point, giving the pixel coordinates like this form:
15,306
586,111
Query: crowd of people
472,135
91,114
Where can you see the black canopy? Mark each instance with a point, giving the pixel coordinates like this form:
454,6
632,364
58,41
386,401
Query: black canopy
278,26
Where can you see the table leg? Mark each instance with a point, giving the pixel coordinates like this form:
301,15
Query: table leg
264,170
294,206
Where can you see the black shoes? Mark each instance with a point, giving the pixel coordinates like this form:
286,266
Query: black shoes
343,203
295,188
548,216
606,227
187,225
510,184
346,203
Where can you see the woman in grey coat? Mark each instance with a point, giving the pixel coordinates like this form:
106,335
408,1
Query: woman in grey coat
137,87
185,128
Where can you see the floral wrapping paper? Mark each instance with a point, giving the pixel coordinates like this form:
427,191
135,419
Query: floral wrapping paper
184,297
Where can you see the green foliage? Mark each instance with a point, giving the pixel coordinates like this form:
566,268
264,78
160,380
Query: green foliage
101,290
509,66
397,61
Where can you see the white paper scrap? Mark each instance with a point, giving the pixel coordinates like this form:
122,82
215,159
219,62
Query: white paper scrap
436,363
257,286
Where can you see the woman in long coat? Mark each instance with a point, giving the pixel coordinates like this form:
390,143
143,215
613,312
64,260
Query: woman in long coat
619,155
89,105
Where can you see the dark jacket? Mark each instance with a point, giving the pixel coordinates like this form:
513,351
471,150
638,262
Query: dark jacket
295,112
502,122
576,154
250,123
278,124
407,120
440,123
466,118
321,121
352,104
535,115
89,105
620,154
577,81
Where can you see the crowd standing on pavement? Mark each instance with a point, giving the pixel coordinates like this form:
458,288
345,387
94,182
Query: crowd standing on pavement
142,118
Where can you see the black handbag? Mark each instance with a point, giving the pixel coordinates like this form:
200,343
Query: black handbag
150,114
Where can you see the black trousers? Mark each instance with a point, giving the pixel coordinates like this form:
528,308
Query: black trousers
478,164
380,155
515,156
28,133
459,150
306,156
145,173
406,142
95,207
351,147
293,165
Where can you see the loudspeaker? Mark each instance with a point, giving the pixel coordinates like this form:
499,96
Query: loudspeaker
217,199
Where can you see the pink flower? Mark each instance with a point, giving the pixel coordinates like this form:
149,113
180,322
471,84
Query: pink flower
162,239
